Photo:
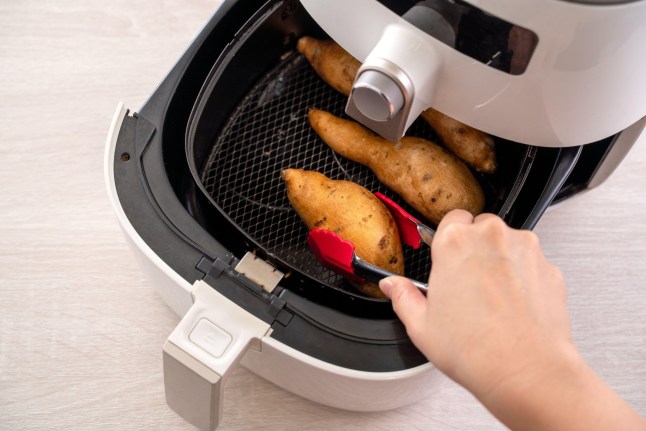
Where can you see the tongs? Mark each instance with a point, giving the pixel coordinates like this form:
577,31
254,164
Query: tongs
412,231
338,254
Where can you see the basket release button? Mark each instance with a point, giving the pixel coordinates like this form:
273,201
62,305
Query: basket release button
210,338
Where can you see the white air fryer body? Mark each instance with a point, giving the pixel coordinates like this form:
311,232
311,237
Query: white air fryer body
216,334
584,81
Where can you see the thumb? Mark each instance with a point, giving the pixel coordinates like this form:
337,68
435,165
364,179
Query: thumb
408,302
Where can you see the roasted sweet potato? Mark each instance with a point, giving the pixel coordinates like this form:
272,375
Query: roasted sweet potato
353,213
426,176
338,68
471,145
332,63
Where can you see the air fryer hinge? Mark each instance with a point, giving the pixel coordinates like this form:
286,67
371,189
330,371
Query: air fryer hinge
274,306
213,269
252,271
259,271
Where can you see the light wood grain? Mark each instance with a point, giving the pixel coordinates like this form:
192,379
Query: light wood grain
81,329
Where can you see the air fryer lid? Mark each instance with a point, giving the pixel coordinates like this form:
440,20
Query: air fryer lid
250,122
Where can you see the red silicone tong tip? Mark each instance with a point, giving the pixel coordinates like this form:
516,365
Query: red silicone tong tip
407,223
334,252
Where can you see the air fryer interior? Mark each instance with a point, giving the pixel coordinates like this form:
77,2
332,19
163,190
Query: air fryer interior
250,122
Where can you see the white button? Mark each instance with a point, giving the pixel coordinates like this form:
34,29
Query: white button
210,338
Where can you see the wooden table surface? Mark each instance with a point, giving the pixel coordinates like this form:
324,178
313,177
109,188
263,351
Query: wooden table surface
81,329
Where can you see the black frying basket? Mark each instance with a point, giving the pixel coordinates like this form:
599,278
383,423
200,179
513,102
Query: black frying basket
247,125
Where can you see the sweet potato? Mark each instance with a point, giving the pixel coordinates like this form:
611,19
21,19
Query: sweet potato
332,63
353,213
338,68
426,176
471,145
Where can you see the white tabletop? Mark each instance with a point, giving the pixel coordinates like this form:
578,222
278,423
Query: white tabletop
81,329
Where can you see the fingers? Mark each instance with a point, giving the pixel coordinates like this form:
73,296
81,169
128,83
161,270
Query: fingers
456,216
408,302
452,220
465,217
485,217
459,216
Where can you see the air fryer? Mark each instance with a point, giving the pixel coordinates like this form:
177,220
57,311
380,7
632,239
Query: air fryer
194,176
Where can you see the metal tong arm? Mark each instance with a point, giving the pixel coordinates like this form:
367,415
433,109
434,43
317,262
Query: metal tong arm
375,274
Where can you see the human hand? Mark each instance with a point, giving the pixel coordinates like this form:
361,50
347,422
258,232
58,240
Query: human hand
495,312
495,320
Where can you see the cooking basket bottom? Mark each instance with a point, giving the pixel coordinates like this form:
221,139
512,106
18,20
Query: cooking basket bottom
269,131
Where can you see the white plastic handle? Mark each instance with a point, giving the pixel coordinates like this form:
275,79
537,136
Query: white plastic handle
202,350
404,57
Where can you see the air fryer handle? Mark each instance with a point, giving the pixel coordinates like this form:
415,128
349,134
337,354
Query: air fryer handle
563,166
204,347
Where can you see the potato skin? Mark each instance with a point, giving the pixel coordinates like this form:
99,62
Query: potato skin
353,213
426,176
471,145
332,63
339,69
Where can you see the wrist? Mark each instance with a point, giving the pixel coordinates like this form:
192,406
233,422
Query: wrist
564,394
541,394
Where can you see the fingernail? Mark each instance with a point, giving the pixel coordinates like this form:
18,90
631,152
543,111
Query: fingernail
386,286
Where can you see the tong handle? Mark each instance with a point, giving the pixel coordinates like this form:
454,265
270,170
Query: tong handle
374,273
338,255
